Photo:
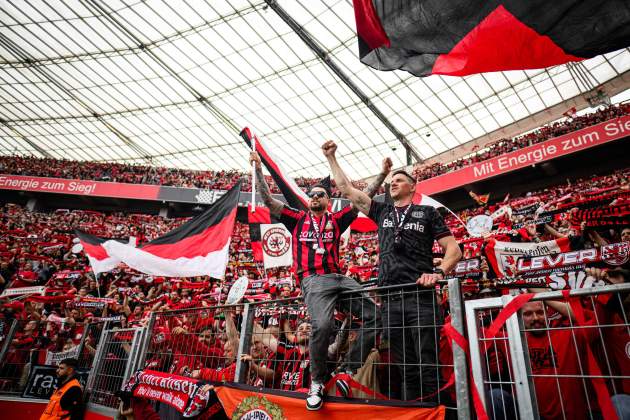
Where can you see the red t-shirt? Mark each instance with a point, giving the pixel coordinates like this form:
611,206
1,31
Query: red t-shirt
558,353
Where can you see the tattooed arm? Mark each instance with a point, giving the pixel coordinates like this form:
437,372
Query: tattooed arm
372,189
360,200
275,206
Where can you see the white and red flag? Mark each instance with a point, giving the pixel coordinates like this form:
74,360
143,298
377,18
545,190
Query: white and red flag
198,247
100,260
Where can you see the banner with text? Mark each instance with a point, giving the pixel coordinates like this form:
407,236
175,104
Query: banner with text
558,146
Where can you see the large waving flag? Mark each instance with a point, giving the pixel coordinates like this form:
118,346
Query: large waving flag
200,247
460,37
100,260
294,195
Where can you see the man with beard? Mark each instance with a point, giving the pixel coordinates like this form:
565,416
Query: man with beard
406,233
66,401
316,235
558,358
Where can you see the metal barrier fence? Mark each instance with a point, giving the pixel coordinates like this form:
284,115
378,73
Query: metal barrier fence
384,343
29,343
555,356
114,361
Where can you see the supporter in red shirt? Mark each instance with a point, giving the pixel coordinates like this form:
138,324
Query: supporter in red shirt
556,355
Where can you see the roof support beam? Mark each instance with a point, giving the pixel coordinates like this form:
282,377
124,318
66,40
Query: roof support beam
25,57
101,7
308,39
25,138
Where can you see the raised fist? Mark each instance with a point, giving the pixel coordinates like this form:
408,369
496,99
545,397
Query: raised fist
329,148
387,166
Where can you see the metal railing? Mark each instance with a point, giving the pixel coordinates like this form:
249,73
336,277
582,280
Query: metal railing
370,345
114,361
561,355
29,342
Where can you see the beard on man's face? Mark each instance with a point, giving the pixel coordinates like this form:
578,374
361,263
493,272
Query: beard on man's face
317,206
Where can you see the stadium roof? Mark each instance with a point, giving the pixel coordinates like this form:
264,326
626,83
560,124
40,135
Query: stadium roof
171,83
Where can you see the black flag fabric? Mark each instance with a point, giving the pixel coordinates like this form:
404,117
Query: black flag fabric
255,219
461,37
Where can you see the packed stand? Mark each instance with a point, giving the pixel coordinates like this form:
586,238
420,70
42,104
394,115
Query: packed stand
136,174
503,146
194,336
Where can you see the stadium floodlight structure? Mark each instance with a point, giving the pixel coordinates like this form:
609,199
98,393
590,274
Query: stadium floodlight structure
171,83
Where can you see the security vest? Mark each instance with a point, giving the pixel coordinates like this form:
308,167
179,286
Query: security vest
53,410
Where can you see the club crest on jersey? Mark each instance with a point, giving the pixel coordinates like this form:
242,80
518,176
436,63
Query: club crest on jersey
417,214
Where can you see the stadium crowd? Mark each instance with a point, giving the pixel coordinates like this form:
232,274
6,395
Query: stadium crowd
35,250
223,180
502,146
200,338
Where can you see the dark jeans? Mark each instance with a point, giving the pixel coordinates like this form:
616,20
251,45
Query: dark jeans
412,323
321,295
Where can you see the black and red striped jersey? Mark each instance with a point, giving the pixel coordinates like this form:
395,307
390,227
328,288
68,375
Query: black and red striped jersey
307,237
294,367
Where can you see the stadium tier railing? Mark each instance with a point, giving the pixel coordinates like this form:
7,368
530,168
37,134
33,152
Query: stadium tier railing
528,362
517,353
28,343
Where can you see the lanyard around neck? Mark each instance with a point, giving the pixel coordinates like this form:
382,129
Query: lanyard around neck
318,229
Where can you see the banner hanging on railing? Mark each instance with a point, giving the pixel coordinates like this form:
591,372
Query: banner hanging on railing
188,396
242,404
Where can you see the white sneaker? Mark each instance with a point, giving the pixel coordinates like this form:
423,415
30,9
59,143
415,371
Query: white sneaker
315,398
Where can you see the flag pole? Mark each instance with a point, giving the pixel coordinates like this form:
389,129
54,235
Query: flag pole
98,285
253,200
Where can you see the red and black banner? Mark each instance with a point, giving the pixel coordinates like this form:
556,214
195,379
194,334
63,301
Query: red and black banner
458,38
464,37
188,396
255,219
292,193
100,260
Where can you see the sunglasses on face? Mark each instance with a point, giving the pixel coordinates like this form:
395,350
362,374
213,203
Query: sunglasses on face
318,194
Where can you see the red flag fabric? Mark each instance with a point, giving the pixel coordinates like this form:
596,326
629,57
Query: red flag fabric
464,37
196,248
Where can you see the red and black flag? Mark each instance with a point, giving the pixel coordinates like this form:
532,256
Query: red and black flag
461,37
100,260
480,199
199,247
294,195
